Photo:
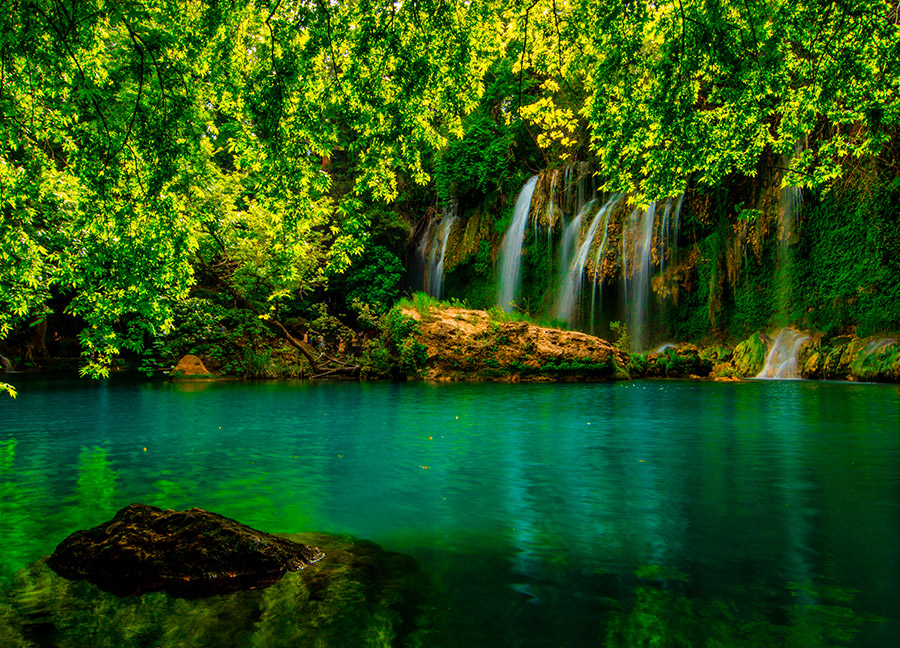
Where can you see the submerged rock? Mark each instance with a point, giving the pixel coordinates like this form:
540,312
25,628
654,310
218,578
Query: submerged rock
357,595
470,344
189,554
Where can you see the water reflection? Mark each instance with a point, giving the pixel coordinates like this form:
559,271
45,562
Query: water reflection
537,509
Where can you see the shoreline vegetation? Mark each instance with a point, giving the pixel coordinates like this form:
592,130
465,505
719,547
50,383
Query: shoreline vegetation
422,338
257,187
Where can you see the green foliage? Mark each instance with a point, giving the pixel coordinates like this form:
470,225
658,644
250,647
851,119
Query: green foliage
375,279
422,303
476,164
847,265
257,363
621,332
377,360
400,331
148,144
637,365
9,389
330,329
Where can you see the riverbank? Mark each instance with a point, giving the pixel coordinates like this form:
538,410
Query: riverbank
429,340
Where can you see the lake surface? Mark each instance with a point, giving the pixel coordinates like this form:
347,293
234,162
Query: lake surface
753,513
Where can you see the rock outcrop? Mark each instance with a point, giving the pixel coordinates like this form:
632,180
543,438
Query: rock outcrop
873,359
846,357
358,595
471,345
680,361
190,366
187,554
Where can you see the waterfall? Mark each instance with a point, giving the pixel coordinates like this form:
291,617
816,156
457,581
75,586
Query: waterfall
669,234
676,223
5,364
639,227
791,200
788,231
598,267
436,262
570,233
782,362
419,274
570,289
511,248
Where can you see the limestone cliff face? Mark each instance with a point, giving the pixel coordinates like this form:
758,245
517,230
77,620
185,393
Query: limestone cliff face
468,344
712,264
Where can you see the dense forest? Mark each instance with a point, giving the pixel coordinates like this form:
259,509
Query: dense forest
252,182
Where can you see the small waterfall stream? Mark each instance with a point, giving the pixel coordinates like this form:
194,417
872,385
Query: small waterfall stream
638,230
511,248
419,273
788,233
598,269
782,362
435,271
571,234
570,289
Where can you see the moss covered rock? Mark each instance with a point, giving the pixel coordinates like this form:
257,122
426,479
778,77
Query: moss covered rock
680,361
357,595
877,361
188,553
747,359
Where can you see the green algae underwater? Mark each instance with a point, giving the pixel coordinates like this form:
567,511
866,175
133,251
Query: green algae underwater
656,513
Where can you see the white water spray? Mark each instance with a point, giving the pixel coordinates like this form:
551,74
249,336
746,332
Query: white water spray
782,362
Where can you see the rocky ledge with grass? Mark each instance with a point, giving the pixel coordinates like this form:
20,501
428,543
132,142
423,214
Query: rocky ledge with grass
463,344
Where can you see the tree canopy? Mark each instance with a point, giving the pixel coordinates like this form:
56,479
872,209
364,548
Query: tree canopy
143,142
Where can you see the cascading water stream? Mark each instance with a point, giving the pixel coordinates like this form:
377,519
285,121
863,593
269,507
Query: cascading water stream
639,227
419,276
570,289
570,234
511,248
670,239
782,362
598,269
788,231
436,267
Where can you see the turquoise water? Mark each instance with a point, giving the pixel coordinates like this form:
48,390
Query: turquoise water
754,513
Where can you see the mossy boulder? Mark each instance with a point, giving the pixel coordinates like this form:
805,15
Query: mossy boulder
357,595
877,361
873,359
188,553
680,361
747,359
